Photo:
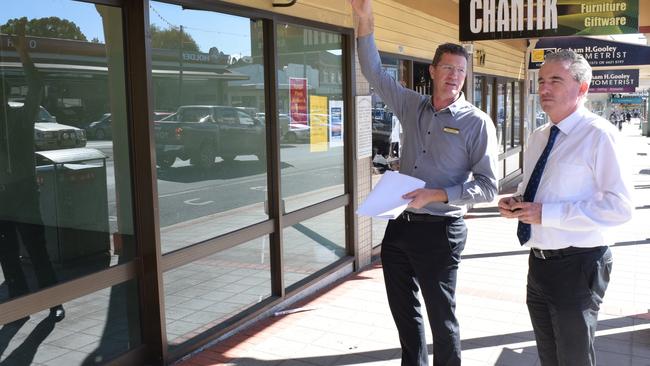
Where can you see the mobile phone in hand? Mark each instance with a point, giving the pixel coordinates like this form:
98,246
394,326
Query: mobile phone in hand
518,199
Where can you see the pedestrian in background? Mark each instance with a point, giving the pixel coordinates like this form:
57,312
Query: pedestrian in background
575,189
452,146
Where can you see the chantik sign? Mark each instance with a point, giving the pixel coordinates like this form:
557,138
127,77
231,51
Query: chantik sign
503,19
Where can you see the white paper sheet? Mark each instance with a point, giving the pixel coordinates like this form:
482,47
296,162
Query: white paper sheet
385,200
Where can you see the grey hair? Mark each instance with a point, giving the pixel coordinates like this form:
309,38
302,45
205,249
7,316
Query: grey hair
579,67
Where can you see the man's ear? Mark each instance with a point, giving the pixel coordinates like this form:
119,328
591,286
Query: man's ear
584,87
431,70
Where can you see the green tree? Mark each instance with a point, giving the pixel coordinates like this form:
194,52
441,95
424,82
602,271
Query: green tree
51,27
171,39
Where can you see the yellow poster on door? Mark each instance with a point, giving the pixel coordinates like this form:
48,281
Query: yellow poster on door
318,123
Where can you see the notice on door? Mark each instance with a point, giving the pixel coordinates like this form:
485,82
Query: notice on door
364,126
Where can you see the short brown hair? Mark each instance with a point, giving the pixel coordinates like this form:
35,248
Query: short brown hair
452,48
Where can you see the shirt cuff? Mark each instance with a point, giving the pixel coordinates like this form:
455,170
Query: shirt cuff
453,193
551,214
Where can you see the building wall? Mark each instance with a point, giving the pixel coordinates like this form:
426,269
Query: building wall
408,27
501,59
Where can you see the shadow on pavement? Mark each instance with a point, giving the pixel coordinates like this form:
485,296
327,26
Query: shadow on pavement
516,348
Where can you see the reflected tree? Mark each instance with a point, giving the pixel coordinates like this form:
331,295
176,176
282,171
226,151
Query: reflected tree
50,27
171,39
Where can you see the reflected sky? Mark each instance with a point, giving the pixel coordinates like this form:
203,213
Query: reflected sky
227,32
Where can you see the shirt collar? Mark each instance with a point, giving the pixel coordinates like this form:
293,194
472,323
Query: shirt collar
454,107
571,121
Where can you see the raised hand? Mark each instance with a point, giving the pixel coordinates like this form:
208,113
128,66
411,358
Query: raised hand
362,8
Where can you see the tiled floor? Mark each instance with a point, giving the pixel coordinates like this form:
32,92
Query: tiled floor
349,324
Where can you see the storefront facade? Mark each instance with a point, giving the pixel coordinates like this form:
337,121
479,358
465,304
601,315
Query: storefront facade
202,171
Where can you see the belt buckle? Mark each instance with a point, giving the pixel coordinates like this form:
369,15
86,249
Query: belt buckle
407,216
541,252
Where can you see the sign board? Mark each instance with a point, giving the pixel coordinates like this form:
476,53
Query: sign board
597,52
317,123
298,100
507,19
627,100
364,126
614,81
336,122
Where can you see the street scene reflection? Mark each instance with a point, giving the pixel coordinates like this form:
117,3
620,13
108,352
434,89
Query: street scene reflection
65,201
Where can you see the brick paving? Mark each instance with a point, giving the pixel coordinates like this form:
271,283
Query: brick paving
349,323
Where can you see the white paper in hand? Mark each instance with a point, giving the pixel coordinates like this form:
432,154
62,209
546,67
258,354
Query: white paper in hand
385,200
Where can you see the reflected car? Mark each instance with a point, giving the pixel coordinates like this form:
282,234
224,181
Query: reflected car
290,132
201,133
295,132
51,135
381,131
102,129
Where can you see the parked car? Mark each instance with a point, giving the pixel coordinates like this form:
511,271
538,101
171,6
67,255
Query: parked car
202,133
102,129
50,135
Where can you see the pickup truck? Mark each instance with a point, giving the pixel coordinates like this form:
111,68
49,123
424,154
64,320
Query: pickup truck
201,133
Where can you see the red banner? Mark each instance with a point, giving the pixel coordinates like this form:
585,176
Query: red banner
298,100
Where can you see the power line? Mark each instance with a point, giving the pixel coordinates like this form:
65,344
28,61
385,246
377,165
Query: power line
177,27
163,19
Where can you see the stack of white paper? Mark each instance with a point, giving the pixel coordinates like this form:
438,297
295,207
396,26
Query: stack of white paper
385,200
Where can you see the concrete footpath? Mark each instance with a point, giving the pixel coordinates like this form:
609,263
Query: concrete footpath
350,324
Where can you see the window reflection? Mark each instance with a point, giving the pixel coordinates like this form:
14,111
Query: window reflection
210,128
508,115
310,75
311,245
501,115
478,92
207,292
517,123
66,208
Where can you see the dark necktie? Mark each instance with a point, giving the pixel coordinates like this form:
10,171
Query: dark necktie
523,230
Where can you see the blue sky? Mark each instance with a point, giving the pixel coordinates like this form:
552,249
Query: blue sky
229,33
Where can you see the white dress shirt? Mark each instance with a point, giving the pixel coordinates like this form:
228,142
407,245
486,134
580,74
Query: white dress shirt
584,188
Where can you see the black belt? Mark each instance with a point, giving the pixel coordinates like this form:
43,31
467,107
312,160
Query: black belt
416,217
560,253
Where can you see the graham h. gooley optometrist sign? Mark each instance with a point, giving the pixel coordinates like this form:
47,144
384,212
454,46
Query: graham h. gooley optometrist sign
503,19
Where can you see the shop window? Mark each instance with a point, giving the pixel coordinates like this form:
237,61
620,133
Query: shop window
312,245
501,115
478,92
517,121
311,116
211,148
508,109
206,293
65,184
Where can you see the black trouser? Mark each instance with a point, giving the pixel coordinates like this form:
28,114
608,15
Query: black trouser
20,222
424,255
563,298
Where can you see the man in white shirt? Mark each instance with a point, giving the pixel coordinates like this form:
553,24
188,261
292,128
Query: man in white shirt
575,189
